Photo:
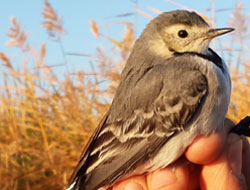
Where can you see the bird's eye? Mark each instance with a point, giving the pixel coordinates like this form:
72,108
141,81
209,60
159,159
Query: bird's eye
182,33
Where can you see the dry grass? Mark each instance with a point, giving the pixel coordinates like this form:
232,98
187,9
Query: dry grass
240,102
52,22
45,122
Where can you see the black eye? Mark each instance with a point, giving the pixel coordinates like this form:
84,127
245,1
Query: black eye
182,33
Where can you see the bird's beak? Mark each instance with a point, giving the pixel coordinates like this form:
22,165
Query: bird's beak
214,32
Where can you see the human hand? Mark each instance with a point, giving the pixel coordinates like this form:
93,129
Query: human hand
219,161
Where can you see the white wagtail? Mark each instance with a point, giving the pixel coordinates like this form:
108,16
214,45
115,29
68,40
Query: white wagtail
172,89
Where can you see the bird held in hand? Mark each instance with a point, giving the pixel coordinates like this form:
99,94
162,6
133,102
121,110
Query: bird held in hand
172,89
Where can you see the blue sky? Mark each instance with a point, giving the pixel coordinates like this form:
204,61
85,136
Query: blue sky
76,15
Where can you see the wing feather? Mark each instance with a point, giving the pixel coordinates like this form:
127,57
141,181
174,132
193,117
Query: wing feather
162,102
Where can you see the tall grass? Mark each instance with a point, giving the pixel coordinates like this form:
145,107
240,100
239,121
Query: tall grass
45,122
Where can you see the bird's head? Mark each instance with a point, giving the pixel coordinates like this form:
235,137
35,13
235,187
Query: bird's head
179,31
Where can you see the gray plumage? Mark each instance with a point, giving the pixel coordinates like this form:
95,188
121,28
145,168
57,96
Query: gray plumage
164,100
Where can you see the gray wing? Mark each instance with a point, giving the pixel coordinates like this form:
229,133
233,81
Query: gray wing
161,103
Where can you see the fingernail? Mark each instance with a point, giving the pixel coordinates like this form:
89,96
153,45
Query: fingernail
163,178
133,185
235,155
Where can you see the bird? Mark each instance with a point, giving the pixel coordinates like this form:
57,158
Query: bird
173,88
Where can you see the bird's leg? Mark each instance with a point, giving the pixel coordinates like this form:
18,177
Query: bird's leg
243,127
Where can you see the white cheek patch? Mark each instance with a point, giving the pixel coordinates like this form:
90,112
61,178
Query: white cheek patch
193,42
159,47
200,46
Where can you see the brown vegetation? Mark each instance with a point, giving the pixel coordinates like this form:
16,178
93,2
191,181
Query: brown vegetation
45,122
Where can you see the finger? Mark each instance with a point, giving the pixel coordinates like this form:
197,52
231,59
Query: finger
132,183
225,171
246,161
173,177
205,149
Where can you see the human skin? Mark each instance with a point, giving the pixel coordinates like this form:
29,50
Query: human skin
218,161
